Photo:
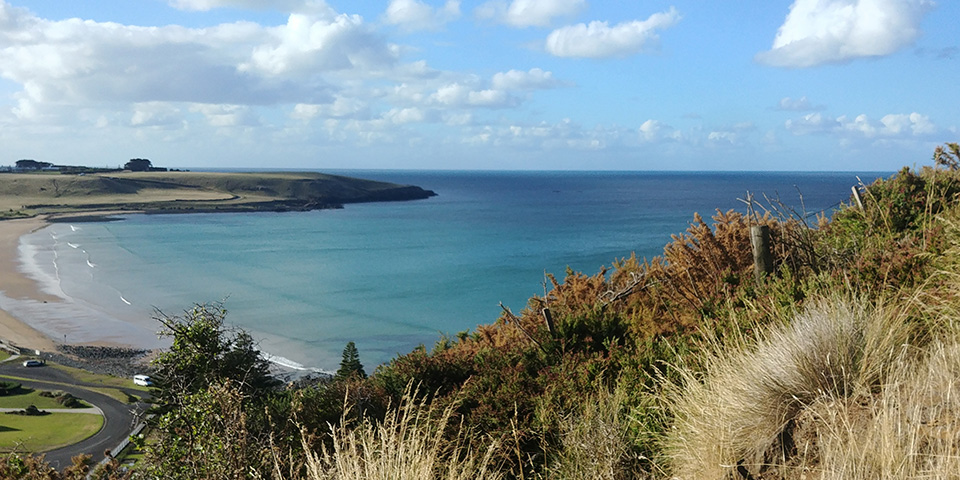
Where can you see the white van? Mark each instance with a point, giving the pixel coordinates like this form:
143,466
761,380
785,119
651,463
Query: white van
142,380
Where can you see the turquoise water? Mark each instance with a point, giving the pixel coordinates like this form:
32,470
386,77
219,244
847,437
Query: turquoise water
391,276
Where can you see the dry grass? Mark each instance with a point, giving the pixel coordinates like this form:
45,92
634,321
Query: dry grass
910,429
595,441
414,441
742,418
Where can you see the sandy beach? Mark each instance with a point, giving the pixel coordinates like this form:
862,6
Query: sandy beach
14,284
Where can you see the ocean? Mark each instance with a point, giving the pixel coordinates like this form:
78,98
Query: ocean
388,276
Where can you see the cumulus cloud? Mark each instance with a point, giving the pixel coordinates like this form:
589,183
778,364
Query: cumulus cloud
810,124
723,138
503,90
901,125
73,62
818,32
802,104
281,5
415,15
227,115
400,116
341,107
307,44
600,40
654,131
459,95
529,13
155,114
534,79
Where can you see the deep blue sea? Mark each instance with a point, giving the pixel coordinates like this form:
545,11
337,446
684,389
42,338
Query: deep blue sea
388,276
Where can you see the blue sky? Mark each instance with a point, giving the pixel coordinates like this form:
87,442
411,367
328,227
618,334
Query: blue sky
501,84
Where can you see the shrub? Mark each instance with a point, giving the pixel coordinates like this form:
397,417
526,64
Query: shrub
69,401
8,387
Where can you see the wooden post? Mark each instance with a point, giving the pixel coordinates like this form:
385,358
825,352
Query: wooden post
547,317
762,253
856,196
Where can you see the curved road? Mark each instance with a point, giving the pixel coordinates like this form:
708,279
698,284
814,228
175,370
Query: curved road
118,417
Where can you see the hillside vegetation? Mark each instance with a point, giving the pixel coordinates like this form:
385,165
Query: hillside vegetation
27,194
842,363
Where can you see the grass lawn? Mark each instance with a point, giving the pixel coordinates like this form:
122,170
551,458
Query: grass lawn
43,433
83,376
25,397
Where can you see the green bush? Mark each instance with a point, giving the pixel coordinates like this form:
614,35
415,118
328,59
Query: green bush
8,387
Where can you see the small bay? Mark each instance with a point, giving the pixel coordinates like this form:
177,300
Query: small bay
391,276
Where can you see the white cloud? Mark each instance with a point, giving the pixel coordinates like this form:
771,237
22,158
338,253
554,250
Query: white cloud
810,124
890,126
307,45
652,131
155,114
859,125
401,116
77,62
802,104
599,39
416,15
529,13
460,95
534,79
227,115
817,32
723,137
341,107
914,123
280,5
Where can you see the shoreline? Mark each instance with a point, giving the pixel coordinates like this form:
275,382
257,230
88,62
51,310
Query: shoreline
14,284
18,287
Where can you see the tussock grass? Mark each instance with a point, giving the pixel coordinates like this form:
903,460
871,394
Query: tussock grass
910,429
416,440
742,416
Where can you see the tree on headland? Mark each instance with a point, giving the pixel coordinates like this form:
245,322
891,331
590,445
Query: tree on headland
350,365
138,165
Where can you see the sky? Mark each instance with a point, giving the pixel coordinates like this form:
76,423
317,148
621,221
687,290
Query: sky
829,85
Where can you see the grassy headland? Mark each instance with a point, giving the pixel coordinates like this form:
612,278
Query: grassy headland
29,194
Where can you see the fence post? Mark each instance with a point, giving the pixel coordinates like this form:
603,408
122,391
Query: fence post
856,197
762,253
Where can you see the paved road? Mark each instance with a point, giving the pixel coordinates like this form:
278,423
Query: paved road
118,417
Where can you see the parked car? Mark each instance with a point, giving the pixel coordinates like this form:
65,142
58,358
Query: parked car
142,380
32,363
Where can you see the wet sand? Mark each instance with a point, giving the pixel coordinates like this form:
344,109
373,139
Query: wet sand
14,284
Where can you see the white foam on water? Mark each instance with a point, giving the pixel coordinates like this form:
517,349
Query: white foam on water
289,364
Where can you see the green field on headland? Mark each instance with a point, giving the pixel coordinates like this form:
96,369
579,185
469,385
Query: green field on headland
29,194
